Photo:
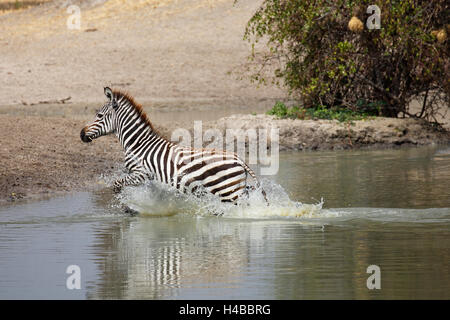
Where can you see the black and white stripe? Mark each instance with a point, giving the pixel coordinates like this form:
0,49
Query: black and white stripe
149,155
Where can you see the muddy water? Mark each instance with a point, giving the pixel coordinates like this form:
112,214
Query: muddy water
387,208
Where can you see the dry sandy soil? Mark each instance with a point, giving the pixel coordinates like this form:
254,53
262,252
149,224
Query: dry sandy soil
164,51
169,53
179,58
46,156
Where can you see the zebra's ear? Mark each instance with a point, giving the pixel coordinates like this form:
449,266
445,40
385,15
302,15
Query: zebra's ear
108,93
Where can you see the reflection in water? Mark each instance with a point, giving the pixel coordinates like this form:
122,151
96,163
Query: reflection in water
152,263
187,257
333,264
253,256
207,258
401,178
154,257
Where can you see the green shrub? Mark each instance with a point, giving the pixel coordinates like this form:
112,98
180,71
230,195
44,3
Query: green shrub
321,60
280,110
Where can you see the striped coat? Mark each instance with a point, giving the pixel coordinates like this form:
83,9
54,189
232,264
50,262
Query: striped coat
148,155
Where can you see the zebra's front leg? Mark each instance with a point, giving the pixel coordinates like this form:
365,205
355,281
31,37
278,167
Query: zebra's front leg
133,179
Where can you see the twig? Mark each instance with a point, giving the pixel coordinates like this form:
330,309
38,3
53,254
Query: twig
424,103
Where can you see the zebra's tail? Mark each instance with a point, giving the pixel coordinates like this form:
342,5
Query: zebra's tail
258,185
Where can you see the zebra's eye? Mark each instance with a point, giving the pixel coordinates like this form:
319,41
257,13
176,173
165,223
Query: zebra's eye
100,115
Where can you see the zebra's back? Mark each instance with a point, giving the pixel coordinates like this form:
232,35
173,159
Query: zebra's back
217,172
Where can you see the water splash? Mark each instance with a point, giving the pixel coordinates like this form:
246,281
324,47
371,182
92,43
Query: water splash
156,199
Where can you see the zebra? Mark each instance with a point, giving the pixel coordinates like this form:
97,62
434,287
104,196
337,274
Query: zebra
149,155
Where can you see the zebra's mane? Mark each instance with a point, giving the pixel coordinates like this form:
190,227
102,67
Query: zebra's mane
137,107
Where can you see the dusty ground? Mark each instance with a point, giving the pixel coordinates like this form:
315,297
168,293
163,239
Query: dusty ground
168,52
177,57
41,156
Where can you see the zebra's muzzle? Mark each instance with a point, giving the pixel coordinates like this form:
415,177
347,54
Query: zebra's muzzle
84,137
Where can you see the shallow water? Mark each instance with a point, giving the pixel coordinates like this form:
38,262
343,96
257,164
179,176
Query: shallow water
389,208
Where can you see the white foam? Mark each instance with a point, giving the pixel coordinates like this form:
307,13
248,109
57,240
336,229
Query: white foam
156,199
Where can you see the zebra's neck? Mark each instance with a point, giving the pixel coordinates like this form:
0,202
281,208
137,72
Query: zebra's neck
133,126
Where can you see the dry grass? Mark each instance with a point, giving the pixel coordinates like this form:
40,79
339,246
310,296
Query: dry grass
7,6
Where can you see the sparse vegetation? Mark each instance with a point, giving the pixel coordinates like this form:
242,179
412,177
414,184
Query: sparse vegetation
12,5
342,114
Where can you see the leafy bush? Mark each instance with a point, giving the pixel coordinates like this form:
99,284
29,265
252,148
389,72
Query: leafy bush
280,110
325,55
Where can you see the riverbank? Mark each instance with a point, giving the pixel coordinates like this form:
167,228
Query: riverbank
52,79
44,156
311,135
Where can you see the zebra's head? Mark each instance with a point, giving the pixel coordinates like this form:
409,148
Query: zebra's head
104,122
